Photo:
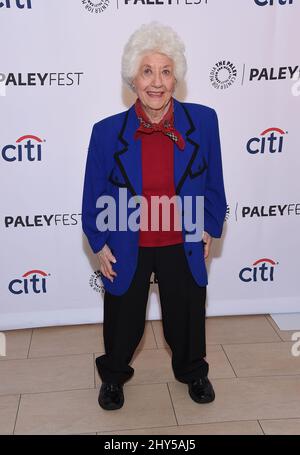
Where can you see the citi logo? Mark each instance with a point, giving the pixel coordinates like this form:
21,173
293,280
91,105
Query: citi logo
27,148
17,3
261,270
33,281
269,141
273,2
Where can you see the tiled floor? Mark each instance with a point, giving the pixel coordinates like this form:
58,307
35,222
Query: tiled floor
49,384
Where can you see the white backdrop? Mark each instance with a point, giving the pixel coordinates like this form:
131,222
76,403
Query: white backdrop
60,73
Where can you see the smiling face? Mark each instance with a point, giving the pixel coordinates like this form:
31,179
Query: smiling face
155,82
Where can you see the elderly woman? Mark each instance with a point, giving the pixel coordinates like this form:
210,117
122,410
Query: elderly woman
158,148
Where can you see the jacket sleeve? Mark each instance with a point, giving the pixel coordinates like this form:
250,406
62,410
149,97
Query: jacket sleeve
95,185
215,205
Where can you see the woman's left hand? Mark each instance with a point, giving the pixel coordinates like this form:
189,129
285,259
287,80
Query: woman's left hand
207,239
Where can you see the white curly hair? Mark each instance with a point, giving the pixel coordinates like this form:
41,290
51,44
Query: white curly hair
153,37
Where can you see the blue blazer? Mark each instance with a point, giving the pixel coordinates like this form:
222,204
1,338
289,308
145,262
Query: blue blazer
114,162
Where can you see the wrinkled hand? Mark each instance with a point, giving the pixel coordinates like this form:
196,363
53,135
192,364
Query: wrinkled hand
105,257
207,239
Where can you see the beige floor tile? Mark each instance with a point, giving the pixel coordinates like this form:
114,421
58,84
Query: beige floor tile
46,374
229,329
222,428
150,366
219,366
66,340
78,411
8,412
76,339
17,344
274,397
281,427
155,365
285,335
239,329
262,359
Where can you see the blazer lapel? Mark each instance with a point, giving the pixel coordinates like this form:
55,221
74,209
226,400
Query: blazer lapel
183,159
128,156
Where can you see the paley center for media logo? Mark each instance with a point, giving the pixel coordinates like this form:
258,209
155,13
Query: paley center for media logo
224,74
227,214
96,7
26,148
261,270
9,80
31,282
95,282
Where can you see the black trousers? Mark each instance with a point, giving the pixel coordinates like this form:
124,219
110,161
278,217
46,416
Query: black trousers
183,316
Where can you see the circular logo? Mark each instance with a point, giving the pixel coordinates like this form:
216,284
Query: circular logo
96,282
223,75
95,7
227,213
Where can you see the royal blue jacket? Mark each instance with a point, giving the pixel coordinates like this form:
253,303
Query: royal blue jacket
114,162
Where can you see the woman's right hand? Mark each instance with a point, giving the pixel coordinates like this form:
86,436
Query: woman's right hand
105,257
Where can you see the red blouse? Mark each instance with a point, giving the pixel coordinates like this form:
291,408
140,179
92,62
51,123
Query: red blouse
158,180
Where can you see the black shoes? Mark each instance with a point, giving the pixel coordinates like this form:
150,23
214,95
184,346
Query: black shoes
201,390
111,396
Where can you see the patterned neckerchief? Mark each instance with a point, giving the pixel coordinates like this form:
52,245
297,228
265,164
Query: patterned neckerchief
165,126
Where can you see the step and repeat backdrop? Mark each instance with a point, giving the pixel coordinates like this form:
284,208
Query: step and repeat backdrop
60,73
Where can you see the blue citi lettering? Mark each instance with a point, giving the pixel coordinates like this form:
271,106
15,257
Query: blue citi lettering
25,150
262,270
32,281
269,141
273,2
18,3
